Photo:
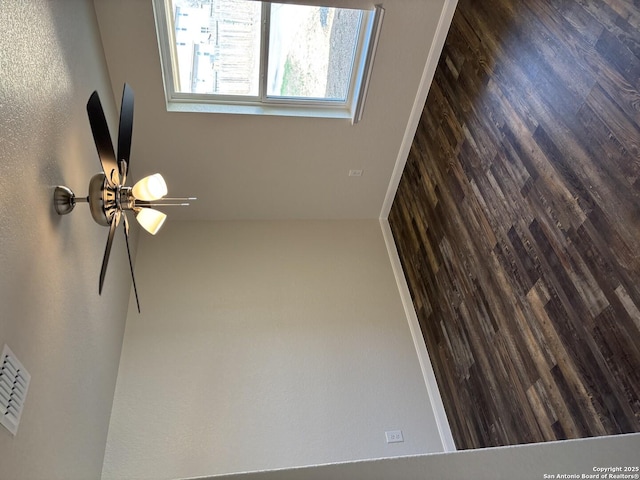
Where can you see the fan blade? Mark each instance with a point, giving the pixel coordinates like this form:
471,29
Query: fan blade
105,260
125,130
133,278
102,139
126,223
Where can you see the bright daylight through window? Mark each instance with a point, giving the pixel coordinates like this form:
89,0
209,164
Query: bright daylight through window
242,56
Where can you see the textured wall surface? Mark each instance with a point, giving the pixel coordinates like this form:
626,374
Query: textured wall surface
572,458
51,316
285,344
265,167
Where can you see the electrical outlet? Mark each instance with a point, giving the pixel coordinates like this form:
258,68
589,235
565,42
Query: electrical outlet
355,173
394,436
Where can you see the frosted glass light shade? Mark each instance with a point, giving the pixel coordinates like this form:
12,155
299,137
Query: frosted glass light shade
150,188
151,219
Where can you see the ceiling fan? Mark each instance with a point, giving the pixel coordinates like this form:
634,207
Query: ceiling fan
109,199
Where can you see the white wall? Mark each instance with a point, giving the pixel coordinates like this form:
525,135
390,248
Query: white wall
522,462
51,316
265,345
245,167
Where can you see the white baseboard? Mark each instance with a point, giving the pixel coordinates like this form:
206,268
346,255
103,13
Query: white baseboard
439,38
442,422
446,16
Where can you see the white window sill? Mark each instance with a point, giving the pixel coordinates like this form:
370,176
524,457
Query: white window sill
273,110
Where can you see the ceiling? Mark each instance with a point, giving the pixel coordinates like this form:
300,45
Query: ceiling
265,167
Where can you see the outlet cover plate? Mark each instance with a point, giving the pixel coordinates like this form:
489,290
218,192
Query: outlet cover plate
394,436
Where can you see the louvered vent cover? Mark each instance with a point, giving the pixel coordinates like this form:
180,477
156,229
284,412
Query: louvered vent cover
14,383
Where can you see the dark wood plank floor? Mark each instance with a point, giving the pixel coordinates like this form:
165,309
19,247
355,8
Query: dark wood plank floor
517,221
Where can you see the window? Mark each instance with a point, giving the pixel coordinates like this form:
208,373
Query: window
242,56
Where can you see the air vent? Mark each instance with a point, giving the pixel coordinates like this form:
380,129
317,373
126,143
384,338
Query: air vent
14,383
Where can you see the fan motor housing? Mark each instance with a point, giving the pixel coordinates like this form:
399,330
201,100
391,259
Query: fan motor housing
102,199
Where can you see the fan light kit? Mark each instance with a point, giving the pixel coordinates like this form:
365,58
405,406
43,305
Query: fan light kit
108,198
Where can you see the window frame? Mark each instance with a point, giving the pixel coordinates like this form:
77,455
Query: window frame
262,104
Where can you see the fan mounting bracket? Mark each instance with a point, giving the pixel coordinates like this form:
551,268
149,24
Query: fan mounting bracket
64,200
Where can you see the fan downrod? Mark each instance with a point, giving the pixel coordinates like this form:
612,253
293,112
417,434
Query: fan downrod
101,200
